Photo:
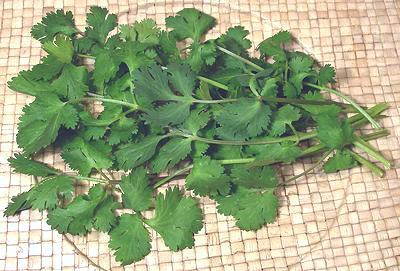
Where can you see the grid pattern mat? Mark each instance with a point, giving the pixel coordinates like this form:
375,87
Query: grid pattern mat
344,221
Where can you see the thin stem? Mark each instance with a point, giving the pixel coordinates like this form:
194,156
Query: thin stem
299,136
374,168
90,179
213,83
107,100
214,101
173,175
294,133
353,103
370,150
246,61
315,149
104,176
86,56
236,161
317,164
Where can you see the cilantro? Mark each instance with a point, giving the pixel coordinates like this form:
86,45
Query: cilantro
72,82
84,156
260,177
52,24
61,48
152,102
136,192
132,155
235,39
176,219
243,119
340,161
190,23
39,128
80,216
130,239
171,153
207,177
24,165
283,117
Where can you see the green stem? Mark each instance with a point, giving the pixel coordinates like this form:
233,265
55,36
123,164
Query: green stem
246,61
299,136
86,56
236,161
170,177
213,83
371,151
374,168
89,179
315,149
106,100
317,164
214,101
353,103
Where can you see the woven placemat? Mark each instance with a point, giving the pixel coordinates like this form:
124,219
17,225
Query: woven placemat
344,221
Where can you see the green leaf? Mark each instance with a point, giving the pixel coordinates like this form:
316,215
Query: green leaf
201,55
235,40
270,88
283,117
171,153
340,161
197,120
46,194
49,67
105,67
25,165
316,110
100,24
333,132
72,82
169,51
207,178
52,24
285,152
260,177
61,48
38,128
105,217
243,119
152,85
168,114
134,154
84,155
176,219
130,239
18,204
136,192
251,209
255,210
27,84
326,74
122,130
145,31
78,217
182,78
301,64
272,46
190,23
135,55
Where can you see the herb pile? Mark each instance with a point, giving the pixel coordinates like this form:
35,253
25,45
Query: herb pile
201,108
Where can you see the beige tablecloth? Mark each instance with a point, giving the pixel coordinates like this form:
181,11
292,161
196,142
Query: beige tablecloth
344,221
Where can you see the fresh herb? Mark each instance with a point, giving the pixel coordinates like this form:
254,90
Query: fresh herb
205,109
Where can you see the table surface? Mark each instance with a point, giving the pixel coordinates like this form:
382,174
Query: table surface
344,221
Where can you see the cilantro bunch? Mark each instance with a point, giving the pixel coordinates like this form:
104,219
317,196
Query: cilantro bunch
174,102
